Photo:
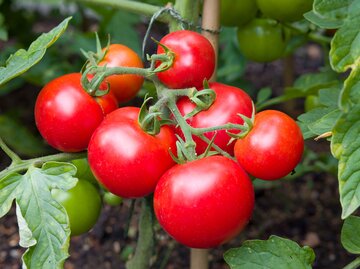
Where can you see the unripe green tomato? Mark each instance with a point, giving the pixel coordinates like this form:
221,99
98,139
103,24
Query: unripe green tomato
311,102
262,40
285,10
83,170
112,199
237,12
82,204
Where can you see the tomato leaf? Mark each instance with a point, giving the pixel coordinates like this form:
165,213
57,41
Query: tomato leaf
329,14
274,253
345,145
321,119
22,60
344,46
43,223
350,236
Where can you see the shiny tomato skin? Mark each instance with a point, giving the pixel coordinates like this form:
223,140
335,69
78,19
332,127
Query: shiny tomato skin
230,101
126,160
124,87
65,115
204,203
273,148
82,204
194,59
262,40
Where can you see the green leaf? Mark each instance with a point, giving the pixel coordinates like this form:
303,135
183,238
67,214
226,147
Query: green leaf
350,236
345,146
314,81
345,46
322,119
43,222
350,94
274,253
22,60
323,22
19,138
329,13
263,95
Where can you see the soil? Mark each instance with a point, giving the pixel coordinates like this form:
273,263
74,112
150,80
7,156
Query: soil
306,210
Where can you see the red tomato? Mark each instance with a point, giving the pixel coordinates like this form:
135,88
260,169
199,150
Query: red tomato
124,87
125,159
66,115
230,101
273,148
194,59
204,203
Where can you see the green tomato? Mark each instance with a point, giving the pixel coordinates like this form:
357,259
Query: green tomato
82,204
237,12
262,40
112,199
285,10
83,170
311,102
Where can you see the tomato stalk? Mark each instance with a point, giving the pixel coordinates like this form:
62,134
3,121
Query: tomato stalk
145,244
22,165
323,40
13,156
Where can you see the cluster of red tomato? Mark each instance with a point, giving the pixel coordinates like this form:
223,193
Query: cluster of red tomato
262,38
201,203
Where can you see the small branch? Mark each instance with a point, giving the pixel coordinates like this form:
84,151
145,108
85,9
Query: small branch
23,165
312,36
145,243
13,156
354,264
136,7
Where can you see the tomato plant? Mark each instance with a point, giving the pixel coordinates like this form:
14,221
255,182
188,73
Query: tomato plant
237,13
283,10
82,204
194,59
273,148
124,87
127,160
66,115
262,40
211,213
229,102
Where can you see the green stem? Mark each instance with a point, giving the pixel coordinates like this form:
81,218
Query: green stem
23,165
145,244
312,36
136,7
217,148
228,126
185,128
13,156
189,11
354,264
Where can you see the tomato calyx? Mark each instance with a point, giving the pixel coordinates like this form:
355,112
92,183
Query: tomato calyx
149,121
167,58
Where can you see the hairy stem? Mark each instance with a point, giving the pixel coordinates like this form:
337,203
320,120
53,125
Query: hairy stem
12,155
136,7
23,165
145,245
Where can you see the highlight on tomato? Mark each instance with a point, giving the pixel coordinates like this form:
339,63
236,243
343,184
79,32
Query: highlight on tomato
66,115
204,203
125,159
273,147
194,59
